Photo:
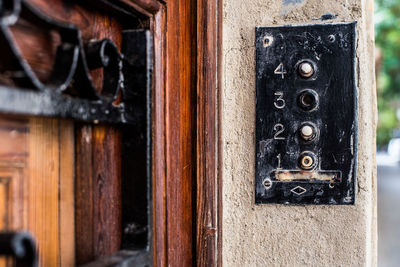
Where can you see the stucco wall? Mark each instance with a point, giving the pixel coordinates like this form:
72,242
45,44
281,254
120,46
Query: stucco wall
278,235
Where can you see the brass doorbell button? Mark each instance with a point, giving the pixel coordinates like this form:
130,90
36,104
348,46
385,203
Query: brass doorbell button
306,69
307,160
308,131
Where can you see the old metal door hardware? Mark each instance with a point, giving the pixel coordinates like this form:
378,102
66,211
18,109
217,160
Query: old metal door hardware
20,246
306,114
70,91
123,101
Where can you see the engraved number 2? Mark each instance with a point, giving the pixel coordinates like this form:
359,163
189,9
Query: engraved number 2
280,102
280,70
279,129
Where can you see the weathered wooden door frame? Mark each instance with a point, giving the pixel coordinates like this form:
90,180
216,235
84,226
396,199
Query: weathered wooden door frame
186,148
209,183
186,212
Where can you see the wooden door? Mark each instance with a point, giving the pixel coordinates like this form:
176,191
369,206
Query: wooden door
37,184
61,179
65,180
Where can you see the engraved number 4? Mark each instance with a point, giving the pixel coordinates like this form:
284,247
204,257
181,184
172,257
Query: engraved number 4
280,70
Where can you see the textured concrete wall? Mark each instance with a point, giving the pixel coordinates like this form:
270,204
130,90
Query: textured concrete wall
277,235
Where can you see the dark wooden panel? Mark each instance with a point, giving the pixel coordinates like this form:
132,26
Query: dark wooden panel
107,190
98,192
84,210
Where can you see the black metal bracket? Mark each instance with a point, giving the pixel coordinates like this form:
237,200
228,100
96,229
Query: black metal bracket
20,246
306,114
70,92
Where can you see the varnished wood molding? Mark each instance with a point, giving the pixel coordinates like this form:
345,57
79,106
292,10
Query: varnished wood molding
208,238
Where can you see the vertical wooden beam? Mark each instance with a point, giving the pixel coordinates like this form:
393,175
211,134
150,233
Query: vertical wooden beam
208,237
43,210
180,131
84,195
98,192
158,27
107,190
67,191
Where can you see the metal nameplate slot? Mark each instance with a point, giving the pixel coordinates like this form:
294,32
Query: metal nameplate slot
306,114
293,175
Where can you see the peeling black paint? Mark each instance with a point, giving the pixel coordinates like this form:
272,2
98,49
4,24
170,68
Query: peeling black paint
279,114
327,16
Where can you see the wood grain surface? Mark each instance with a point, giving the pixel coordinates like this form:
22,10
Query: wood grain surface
186,200
98,174
186,189
98,178
208,201
36,184
159,211
98,192
67,192
43,210
180,131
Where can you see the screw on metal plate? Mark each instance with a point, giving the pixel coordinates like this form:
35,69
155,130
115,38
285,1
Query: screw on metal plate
268,40
267,183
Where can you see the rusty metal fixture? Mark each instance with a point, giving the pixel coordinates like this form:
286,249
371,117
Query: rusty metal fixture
308,132
306,114
70,91
267,183
308,100
306,69
307,160
19,245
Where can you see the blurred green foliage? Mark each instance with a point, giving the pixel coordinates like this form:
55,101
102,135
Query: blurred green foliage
387,40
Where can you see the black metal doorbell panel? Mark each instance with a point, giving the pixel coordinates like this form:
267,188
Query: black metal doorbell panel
306,114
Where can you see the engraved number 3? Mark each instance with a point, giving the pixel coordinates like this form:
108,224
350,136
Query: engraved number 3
280,102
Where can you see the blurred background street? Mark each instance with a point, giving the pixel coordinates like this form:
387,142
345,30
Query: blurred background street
388,211
387,65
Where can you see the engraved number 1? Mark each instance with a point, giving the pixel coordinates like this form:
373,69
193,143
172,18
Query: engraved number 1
279,161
